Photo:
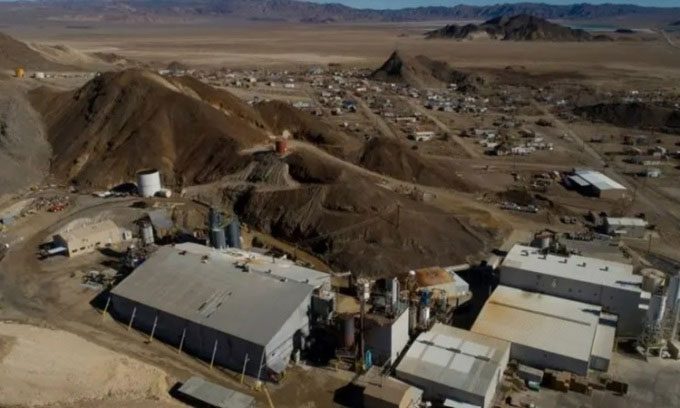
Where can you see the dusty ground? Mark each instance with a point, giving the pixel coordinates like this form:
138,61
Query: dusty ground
70,370
255,44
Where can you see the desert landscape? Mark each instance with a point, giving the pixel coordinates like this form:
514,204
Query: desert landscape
374,147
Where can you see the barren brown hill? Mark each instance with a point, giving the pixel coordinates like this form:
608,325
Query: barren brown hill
280,117
355,225
397,160
633,115
14,53
119,123
421,71
522,27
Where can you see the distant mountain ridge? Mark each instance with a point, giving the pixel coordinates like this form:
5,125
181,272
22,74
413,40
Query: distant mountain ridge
301,11
522,27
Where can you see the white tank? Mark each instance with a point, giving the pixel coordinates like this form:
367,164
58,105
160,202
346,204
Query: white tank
149,183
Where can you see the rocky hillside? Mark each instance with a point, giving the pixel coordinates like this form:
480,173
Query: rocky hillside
119,123
633,115
24,150
14,53
521,27
422,71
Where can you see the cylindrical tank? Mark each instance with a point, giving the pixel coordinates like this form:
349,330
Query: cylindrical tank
349,332
424,316
281,146
149,182
146,232
234,233
652,279
393,291
218,239
657,309
412,318
214,219
19,72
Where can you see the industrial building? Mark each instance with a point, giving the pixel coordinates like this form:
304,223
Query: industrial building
87,238
387,337
450,363
233,310
611,285
626,227
547,331
595,184
445,281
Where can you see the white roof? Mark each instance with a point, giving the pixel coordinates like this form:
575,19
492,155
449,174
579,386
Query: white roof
278,267
87,231
455,358
215,293
605,335
627,222
579,268
539,321
598,180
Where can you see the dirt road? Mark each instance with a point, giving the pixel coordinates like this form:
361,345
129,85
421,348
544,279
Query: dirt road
444,128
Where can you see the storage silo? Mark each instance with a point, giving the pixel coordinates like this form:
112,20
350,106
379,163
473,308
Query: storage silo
149,183
146,233
218,239
234,233
214,218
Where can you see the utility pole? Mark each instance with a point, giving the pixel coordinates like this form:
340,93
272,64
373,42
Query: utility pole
243,372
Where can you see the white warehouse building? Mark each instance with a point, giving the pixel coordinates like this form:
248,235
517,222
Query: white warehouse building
549,332
611,285
450,363
215,305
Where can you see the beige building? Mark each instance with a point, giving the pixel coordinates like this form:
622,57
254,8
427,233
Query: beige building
88,238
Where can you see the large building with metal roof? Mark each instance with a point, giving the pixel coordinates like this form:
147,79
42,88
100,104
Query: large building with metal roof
547,331
450,363
228,310
611,285
596,184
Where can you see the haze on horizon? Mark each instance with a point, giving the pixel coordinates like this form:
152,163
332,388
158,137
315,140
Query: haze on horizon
396,4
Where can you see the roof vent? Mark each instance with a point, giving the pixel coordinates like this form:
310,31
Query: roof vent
283,280
525,252
205,258
583,265
605,268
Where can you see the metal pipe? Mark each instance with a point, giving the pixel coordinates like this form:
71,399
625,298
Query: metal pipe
212,359
259,370
153,329
106,307
181,342
132,318
243,372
